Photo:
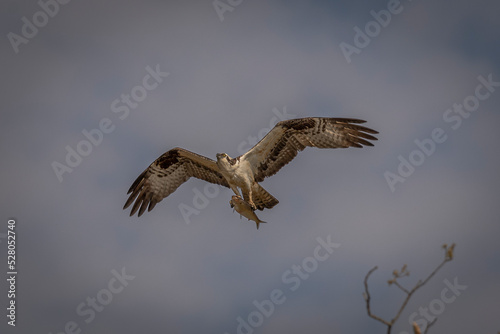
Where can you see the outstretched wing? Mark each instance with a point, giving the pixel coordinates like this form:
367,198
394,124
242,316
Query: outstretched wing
289,137
166,174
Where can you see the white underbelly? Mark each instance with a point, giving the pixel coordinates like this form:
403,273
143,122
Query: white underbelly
240,177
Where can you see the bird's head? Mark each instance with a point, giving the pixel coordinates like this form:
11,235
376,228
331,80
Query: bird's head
221,156
225,160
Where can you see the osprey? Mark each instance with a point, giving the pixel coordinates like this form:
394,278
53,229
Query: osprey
265,159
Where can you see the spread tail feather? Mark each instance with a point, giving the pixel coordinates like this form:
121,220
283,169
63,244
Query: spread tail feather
261,198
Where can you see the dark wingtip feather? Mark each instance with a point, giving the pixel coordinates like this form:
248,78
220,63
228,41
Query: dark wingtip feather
367,136
360,140
132,197
141,199
365,129
137,181
145,203
129,201
348,120
135,207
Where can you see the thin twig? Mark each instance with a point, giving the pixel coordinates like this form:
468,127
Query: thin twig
430,324
368,297
418,285
401,287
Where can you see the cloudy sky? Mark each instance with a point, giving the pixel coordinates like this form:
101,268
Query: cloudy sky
141,77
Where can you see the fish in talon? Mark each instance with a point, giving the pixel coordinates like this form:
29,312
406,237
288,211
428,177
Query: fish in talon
244,209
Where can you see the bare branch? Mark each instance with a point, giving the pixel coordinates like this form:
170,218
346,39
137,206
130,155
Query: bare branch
368,297
396,275
399,286
430,324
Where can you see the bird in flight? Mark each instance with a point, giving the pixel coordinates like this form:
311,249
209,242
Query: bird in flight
278,147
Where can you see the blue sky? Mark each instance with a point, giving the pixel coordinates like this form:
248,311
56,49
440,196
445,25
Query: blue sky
229,80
